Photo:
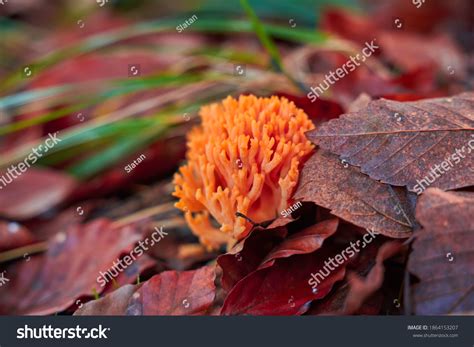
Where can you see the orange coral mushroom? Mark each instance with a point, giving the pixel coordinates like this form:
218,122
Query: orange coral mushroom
244,157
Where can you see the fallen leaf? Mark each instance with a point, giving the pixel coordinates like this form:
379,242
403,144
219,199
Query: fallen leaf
281,289
420,51
303,242
175,293
279,286
24,198
355,197
399,143
53,281
113,304
14,235
443,253
248,254
143,265
361,288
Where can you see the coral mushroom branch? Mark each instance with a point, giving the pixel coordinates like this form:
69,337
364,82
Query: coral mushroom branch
245,157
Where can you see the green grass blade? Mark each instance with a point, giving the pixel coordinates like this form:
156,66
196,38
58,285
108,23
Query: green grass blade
123,148
262,35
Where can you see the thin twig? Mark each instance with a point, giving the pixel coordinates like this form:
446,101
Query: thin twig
142,214
22,251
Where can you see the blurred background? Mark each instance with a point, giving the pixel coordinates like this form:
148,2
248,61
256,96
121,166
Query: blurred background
118,80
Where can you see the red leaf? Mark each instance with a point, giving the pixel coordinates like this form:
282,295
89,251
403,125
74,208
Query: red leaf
130,275
361,288
303,242
422,51
175,293
280,285
53,281
248,254
13,235
113,304
281,289
34,192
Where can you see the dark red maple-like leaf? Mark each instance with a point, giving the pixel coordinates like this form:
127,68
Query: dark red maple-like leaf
443,253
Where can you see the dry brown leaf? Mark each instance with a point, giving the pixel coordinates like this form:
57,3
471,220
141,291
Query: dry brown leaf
443,253
355,197
400,143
